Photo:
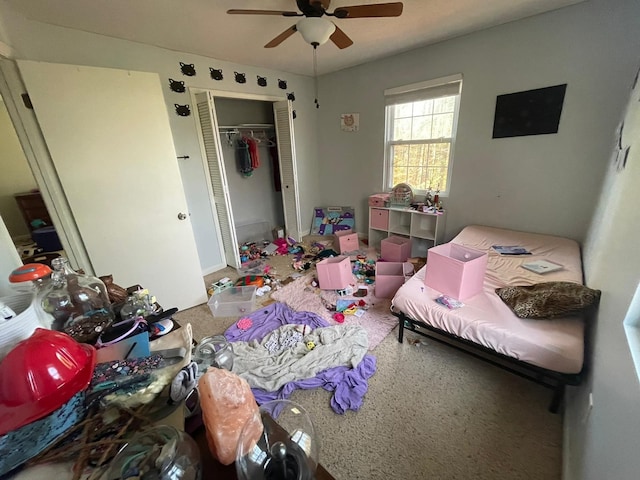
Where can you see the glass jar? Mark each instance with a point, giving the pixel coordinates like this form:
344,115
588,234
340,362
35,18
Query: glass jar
280,442
213,352
140,304
28,281
161,452
79,303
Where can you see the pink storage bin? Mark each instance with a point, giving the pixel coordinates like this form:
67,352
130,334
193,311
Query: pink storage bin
346,241
390,276
334,273
395,249
379,219
456,270
378,199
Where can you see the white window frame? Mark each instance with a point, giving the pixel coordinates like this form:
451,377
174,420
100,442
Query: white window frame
414,90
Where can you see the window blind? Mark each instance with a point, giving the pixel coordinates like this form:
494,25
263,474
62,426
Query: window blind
442,87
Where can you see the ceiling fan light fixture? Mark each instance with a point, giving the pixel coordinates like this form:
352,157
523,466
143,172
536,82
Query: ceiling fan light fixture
315,30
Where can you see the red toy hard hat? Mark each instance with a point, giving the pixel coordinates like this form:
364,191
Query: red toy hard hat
40,374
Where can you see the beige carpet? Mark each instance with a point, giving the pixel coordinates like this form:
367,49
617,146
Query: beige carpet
431,412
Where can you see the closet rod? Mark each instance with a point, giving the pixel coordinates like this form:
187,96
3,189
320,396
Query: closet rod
247,126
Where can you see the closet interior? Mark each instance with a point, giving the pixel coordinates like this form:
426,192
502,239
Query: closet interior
250,155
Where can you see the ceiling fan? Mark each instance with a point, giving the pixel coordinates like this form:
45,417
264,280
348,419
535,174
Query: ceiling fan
317,30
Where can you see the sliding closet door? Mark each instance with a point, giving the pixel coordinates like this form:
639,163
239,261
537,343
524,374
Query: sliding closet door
218,187
288,175
110,141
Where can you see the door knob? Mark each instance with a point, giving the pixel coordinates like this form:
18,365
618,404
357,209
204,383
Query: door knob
182,216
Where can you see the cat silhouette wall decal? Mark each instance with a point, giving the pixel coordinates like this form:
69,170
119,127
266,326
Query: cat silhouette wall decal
183,110
188,69
216,73
176,86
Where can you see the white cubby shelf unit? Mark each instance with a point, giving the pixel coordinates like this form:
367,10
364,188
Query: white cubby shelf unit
425,230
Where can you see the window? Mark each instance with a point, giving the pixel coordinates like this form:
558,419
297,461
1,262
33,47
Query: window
632,329
420,130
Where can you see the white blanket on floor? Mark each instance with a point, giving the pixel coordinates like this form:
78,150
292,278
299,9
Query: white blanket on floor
283,355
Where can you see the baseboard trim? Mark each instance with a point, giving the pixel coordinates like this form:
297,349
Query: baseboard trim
213,269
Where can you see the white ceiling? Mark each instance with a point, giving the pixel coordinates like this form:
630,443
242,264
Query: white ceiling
203,27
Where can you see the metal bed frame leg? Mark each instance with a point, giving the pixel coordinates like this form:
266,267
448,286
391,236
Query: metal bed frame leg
400,329
558,397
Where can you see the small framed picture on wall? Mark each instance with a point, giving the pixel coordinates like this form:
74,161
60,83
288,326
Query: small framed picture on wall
350,122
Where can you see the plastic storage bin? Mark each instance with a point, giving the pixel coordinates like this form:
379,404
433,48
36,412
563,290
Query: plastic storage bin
47,239
390,276
233,302
456,270
395,249
334,273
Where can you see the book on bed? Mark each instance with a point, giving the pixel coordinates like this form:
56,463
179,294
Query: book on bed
511,250
542,266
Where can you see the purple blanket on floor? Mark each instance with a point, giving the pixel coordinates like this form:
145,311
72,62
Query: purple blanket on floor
348,384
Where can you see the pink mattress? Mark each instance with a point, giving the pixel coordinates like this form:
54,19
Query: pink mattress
556,344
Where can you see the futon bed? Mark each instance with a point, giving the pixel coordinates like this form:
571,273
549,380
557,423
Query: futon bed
548,351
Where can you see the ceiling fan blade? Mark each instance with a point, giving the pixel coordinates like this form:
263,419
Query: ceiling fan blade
341,39
263,12
282,37
373,10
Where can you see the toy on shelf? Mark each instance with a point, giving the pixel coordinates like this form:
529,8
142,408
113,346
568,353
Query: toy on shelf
401,195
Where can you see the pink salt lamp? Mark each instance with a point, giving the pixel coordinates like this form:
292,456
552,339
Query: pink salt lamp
227,403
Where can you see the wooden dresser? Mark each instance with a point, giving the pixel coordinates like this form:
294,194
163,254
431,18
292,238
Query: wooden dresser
32,208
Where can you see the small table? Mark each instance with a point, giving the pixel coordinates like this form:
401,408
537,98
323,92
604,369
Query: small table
211,468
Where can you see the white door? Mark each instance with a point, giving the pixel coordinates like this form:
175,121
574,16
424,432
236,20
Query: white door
109,138
288,175
219,188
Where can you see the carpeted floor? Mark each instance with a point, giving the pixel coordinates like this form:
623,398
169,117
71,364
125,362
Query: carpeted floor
430,412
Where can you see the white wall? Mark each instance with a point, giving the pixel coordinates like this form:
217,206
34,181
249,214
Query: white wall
603,443
9,260
16,176
36,41
545,183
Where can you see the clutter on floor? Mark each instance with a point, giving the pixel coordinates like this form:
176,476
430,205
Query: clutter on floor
133,362
337,262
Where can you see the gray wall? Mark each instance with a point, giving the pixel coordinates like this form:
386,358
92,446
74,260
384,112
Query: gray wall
41,42
603,442
253,199
545,183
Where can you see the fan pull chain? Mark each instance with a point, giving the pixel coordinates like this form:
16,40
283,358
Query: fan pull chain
315,75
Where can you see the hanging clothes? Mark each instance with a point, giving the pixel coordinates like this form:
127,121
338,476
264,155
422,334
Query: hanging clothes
243,157
275,165
253,152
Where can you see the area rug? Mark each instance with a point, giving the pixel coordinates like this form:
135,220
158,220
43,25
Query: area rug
301,296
